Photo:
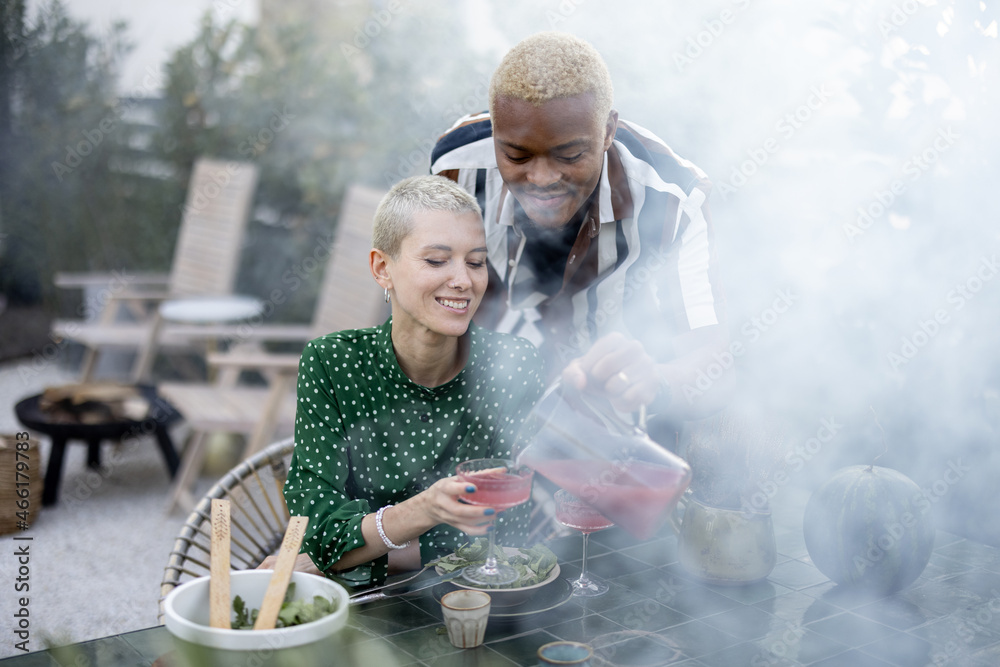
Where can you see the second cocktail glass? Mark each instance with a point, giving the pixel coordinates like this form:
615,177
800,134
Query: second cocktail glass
574,513
500,484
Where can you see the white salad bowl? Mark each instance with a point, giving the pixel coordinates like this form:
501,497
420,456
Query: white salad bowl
186,617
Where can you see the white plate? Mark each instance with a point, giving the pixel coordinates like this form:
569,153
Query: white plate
506,597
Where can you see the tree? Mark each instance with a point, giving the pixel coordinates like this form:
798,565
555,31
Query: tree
61,205
314,115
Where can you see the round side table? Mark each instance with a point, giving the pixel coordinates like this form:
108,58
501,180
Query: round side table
201,310
210,309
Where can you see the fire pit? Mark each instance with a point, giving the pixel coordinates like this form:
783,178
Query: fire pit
92,413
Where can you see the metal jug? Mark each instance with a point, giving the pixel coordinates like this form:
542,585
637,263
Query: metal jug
724,546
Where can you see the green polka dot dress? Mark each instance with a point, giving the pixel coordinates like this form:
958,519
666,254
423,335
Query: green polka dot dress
367,436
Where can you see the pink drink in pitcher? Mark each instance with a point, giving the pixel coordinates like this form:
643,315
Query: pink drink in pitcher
635,495
581,444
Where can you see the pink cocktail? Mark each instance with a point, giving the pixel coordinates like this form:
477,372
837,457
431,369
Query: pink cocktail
582,517
574,513
633,494
500,484
498,488
579,442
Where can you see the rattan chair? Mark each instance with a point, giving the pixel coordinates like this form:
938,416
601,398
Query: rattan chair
258,518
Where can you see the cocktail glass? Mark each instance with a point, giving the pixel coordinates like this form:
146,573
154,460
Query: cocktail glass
500,484
574,513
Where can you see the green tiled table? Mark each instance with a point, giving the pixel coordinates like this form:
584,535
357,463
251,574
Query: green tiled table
655,614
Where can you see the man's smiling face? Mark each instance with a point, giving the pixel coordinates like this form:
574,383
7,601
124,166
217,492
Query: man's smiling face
551,155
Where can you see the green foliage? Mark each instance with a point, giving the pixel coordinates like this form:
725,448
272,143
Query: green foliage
61,206
314,116
313,119
293,612
533,564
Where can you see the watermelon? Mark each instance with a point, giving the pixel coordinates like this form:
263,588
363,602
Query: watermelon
869,527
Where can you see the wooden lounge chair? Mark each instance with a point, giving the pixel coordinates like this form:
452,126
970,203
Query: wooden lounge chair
206,257
349,298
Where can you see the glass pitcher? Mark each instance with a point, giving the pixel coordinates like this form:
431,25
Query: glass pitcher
579,442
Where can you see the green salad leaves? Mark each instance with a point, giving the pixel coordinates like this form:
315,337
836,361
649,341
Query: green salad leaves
293,612
533,565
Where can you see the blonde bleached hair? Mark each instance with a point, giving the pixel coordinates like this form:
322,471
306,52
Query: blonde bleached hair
394,215
551,65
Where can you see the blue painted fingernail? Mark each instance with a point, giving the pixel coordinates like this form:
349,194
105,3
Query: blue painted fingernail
470,489
491,528
489,511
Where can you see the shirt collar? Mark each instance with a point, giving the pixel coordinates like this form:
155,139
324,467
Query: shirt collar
386,351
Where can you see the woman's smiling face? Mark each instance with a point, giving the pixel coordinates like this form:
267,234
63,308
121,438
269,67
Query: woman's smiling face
439,276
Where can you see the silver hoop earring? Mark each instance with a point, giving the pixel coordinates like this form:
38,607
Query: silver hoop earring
387,297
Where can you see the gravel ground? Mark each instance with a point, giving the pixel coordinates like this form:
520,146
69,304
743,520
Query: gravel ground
97,556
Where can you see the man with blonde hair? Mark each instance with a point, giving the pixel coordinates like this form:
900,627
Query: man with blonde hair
600,246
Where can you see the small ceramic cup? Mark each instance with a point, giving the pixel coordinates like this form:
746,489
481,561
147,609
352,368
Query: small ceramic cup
565,653
465,615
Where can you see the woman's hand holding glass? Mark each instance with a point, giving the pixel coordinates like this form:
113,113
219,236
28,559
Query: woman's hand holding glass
441,504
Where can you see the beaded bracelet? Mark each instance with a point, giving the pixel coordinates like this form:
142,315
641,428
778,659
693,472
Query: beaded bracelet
381,531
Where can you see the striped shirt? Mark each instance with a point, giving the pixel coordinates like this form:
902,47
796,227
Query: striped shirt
644,260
